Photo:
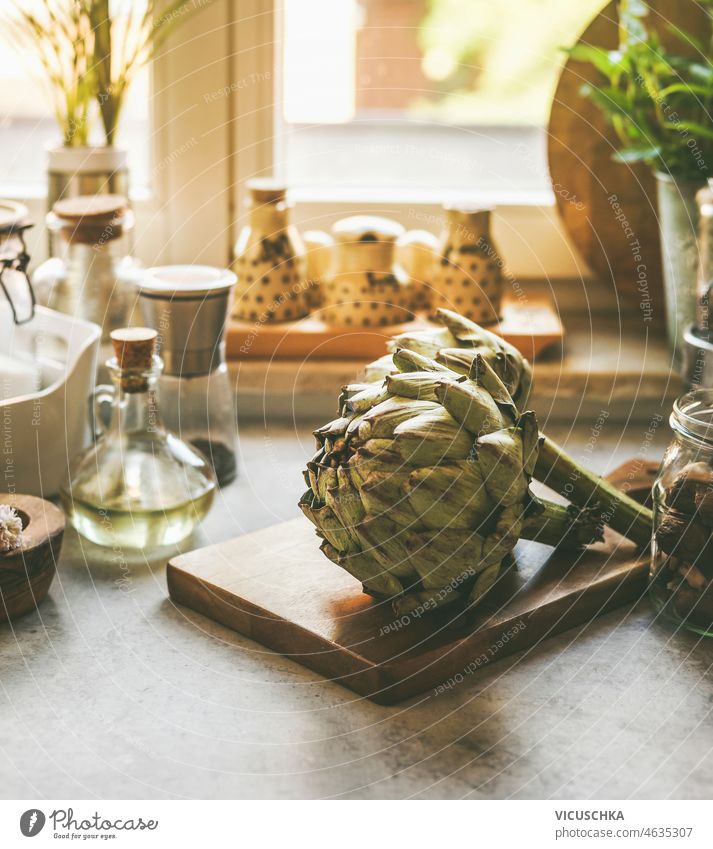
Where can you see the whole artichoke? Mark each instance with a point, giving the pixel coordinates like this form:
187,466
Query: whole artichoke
420,489
457,345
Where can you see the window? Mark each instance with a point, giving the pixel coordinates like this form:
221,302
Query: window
385,105
28,127
421,96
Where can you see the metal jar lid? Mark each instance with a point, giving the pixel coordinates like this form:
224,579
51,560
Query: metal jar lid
188,305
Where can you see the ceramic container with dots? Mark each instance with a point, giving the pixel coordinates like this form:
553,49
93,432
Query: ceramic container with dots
270,260
319,253
366,287
468,275
416,251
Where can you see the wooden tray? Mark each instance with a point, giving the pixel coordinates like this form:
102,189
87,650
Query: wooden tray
531,327
276,587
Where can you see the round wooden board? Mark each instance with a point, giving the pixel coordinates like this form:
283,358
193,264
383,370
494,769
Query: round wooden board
588,185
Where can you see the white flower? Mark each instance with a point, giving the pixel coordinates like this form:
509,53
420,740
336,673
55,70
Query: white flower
10,528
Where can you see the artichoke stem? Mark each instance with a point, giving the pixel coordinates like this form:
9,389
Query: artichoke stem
561,525
560,472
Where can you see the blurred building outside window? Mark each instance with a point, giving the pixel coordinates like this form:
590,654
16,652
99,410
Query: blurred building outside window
421,96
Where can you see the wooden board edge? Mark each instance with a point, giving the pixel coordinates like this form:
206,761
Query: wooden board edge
390,683
213,604
566,613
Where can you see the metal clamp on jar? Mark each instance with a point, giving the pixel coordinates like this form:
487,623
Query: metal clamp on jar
188,306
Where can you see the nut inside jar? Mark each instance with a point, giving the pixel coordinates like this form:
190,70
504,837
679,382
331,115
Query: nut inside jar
682,554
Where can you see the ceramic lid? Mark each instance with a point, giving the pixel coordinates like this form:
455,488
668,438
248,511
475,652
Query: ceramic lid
267,190
317,238
367,228
419,238
185,281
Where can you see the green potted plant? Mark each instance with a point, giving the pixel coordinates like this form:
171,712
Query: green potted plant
89,56
658,98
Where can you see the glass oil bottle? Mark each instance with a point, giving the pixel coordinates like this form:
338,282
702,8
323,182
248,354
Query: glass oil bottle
139,486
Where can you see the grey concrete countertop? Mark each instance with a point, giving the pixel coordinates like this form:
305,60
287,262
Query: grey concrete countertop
111,691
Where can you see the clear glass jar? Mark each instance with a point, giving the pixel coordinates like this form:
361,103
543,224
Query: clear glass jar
681,575
704,199
90,274
201,410
139,486
189,305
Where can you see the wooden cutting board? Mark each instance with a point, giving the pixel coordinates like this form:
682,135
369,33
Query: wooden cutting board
277,588
531,326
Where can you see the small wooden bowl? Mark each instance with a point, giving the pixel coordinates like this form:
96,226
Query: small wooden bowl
27,572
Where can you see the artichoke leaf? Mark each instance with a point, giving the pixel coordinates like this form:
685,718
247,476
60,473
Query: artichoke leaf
432,438
385,542
449,496
483,374
376,580
424,342
500,459
446,558
419,385
484,582
470,405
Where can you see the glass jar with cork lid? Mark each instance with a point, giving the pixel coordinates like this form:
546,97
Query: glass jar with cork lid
139,486
91,274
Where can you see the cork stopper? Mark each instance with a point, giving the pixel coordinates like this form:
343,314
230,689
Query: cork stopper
94,207
134,349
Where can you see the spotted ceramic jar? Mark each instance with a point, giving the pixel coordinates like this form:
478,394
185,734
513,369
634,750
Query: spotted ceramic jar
270,260
366,287
319,253
416,251
468,276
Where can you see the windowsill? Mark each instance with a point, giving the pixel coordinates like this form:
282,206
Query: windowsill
606,366
399,195
37,191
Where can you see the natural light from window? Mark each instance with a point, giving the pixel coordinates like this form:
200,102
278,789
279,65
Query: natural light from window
28,127
422,95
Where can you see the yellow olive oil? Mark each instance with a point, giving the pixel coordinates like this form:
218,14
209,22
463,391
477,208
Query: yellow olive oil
136,528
